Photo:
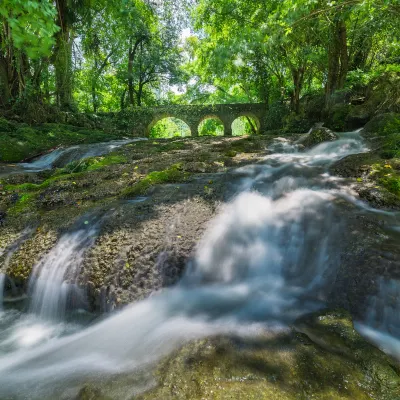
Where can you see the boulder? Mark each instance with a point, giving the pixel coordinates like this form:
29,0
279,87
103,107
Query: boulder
358,116
317,135
382,125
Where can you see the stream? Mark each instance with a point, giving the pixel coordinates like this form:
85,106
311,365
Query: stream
64,155
268,257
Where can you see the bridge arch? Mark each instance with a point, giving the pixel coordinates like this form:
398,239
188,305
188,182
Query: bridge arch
142,119
166,116
249,119
214,120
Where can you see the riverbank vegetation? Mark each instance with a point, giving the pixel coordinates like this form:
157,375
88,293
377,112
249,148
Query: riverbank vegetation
307,61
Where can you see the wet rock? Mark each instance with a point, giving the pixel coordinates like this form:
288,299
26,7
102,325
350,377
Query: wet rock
317,135
334,331
329,361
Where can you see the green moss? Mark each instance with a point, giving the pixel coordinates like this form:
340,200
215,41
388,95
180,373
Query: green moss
93,164
231,153
5,126
23,204
21,142
172,174
387,176
171,147
392,184
330,362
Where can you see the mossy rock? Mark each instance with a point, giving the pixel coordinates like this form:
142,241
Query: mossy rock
297,124
318,135
334,331
383,125
338,116
6,126
330,361
357,117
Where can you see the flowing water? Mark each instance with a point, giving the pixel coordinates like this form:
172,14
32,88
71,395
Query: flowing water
54,277
267,258
63,156
2,284
382,326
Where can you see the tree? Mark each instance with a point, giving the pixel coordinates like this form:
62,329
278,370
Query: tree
26,39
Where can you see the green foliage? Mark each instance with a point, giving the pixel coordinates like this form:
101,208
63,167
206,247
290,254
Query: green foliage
173,174
211,127
392,184
170,127
32,25
244,126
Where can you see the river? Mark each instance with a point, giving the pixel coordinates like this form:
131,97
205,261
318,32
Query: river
267,258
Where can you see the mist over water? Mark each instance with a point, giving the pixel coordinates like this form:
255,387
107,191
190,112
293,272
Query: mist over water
267,258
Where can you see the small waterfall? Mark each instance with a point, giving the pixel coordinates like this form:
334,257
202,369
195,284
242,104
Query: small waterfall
382,321
53,278
2,284
64,156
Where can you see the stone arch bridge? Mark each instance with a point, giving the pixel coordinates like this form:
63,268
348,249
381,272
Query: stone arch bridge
144,119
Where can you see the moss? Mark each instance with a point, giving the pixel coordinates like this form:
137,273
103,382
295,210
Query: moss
5,126
338,116
20,142
339,364
23,204
392,184
387,176
172,146
172,174
231,153
93,164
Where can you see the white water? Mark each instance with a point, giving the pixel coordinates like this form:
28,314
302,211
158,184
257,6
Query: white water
48,284
2,283
382,326
265,259
63,156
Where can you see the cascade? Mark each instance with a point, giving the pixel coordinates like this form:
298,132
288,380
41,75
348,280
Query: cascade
268,257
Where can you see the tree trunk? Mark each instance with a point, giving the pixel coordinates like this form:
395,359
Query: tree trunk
94,88
5,94
63,59
131,93
252,127
338,60
344,54
122,102
139,95
298,81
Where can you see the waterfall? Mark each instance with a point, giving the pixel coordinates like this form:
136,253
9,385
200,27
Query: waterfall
2,284
268,256
53,278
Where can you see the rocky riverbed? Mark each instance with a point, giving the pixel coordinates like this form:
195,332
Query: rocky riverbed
153,202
